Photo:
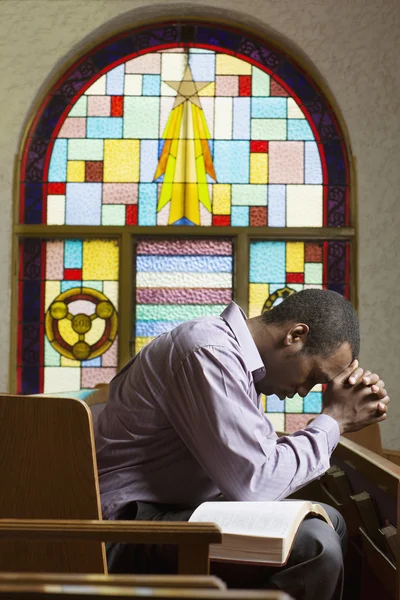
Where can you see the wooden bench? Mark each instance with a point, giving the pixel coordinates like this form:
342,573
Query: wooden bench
50,514
365,488
55,591
154,581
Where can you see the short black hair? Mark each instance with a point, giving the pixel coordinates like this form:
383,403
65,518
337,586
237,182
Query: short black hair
331,318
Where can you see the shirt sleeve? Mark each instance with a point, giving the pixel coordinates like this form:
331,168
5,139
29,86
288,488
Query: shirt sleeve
212,409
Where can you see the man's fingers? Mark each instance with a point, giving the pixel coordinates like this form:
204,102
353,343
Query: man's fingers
343,377
380,392
377,419
377,386
371,379
356,375
382,417
383,404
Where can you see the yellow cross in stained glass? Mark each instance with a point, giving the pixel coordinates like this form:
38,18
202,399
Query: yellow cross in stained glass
185,160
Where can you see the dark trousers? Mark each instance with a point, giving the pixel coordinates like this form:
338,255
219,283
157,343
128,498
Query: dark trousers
314,570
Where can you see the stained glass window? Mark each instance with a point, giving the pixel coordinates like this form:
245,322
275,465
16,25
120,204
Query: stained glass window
186,137
68,319
218,167
179,280
279,269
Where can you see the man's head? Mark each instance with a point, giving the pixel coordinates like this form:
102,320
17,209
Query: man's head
309,338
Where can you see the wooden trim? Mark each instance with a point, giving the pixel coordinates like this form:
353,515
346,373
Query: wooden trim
194,560
392,455
369,437
241,256
369,464
274,233
125,298
16,590
138,532
96,479
175,581
193,539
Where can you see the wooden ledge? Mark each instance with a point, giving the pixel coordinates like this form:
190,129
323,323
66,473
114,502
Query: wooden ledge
56,592
146,532
166,581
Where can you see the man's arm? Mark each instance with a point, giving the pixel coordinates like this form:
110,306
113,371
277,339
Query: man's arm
218,421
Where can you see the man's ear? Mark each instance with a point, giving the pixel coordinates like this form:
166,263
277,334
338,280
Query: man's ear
297,336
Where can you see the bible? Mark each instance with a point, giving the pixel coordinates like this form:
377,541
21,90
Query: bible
256,532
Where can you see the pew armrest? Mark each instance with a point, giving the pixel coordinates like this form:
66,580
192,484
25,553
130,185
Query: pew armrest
138,532
129,581
193,539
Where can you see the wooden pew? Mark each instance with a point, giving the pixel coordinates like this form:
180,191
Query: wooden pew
50,515
97,400
369,437
392,455
365,488
99,581
83,592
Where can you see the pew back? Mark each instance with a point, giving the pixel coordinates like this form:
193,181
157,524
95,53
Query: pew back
50,514
48,471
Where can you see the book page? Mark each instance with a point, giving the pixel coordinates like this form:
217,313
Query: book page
258,519
317,509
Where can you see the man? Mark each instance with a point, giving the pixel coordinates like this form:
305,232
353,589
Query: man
184,424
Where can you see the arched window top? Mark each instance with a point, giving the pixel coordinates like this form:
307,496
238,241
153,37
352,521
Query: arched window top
185,124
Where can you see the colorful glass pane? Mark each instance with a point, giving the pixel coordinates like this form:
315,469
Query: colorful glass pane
178,280
68,319
279,269
204,132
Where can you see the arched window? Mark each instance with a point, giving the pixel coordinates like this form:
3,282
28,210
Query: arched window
169,170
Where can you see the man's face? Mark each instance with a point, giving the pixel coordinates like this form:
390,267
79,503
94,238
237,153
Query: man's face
297,373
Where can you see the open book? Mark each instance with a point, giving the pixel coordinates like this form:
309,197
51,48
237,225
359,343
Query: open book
256,532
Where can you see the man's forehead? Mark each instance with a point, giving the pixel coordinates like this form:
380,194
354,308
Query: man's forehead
333,365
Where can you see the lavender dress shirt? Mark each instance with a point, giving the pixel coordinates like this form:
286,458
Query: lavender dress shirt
184,423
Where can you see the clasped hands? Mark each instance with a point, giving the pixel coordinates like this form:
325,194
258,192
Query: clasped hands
355,398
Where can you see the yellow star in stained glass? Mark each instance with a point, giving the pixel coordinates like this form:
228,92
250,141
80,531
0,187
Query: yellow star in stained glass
187,88
185,160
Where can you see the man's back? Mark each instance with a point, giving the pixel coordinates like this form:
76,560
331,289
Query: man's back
141,455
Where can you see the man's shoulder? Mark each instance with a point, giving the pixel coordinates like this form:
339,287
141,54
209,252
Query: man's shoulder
194,342
189,339
202,332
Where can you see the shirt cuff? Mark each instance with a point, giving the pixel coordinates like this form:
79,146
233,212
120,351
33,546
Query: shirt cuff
330,427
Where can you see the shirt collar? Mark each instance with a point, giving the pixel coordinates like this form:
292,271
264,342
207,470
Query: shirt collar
236,319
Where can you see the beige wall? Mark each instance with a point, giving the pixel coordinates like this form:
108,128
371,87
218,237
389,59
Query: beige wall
354,45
